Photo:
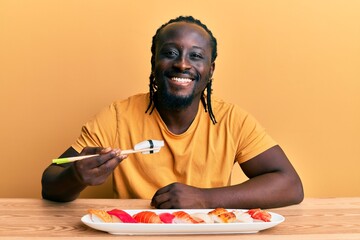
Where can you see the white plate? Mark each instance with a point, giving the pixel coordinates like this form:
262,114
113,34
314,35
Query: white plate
181,228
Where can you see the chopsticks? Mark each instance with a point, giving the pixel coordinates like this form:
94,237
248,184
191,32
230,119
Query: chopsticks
123,152
146,147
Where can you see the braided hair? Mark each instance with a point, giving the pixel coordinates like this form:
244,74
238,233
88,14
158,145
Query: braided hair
153,87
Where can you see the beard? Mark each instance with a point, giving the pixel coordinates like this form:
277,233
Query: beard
171,101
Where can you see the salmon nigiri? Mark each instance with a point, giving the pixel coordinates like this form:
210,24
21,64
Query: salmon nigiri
183,217
147,217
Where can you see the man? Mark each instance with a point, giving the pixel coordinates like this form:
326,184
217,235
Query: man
204,137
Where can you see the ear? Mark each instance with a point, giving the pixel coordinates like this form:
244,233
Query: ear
212,69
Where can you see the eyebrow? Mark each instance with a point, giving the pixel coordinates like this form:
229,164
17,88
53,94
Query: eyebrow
174,44
199,48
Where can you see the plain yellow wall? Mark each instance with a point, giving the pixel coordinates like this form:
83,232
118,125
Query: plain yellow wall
295,65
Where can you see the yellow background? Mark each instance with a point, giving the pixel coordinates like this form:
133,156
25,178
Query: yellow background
295,65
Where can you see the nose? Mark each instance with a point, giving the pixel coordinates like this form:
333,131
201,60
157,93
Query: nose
182,63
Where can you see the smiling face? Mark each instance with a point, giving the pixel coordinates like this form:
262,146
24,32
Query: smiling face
183,64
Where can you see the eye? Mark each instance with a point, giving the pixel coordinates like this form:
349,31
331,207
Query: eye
196,55
170,53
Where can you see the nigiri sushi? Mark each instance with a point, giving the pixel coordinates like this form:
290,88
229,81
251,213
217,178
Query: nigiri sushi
221,215
121,216
166,217
242,216
202,217
183,217
147,217
259,214
99,216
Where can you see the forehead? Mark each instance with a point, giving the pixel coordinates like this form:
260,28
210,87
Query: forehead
183,31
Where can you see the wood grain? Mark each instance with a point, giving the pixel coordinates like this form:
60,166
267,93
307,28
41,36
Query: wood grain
328,218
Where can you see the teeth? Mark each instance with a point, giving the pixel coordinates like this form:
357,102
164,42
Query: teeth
182,80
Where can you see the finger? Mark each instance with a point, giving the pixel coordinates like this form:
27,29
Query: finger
160,195
160,198
92,150
158,201
96,161
165,205
95,170
98,176
108,167
105,150
101,173
165,189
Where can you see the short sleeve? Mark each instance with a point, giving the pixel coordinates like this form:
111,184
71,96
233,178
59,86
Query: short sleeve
100,131
252,138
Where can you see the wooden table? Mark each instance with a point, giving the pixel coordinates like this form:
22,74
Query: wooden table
329,218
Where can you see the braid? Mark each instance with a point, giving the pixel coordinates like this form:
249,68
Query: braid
152,85
209,90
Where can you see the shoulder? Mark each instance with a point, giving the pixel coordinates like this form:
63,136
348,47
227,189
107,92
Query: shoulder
139,101
137,98
223,109
234,117
133,103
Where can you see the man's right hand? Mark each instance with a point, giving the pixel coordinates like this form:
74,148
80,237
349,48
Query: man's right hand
64,182
95,170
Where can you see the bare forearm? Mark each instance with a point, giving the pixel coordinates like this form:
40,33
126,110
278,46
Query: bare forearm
273,182
265,191
61,184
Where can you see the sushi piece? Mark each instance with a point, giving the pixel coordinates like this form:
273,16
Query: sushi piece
166,217
147,217
242,216
99,216
202,217
217,211
259,214
183,217
121,216
221,215
227,217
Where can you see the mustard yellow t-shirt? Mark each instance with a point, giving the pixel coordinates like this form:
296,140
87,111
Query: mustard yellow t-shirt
203,156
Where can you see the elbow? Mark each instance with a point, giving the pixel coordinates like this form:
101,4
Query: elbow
298,197
48,196
56,198
297,190
55,194
301,195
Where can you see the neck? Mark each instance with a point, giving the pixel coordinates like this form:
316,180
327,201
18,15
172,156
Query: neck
178,120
